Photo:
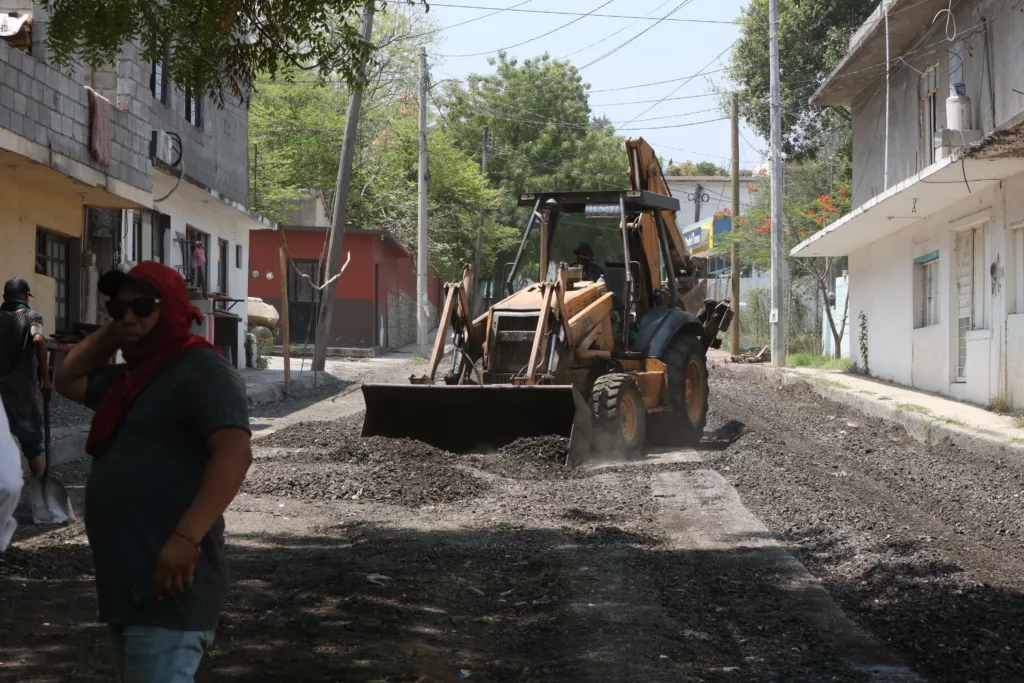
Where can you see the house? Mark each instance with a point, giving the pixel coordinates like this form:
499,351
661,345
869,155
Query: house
374,298
171,174
936,238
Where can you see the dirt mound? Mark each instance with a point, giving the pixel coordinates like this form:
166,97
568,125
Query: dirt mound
334,463
540,457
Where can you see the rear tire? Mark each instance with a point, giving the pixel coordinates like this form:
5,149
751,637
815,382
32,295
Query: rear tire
687,366
620,418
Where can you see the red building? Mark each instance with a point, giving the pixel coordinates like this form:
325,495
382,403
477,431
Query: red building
373,301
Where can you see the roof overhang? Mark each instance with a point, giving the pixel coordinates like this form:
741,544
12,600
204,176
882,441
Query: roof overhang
977,168
864,60
352,229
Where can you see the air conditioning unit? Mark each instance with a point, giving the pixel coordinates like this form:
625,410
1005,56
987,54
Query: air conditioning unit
164,148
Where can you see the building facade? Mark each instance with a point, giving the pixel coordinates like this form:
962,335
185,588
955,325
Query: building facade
935,240
374,300
111,166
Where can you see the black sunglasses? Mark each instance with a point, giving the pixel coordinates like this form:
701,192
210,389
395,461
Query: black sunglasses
142,308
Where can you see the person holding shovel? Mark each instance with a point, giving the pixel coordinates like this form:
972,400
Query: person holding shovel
24,370
170,448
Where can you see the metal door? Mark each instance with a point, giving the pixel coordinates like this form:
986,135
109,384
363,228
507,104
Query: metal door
303,298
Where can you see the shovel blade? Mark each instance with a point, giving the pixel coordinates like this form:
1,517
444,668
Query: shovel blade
464,419
49,501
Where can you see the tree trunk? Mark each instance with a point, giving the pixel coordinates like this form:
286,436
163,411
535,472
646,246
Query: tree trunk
837,333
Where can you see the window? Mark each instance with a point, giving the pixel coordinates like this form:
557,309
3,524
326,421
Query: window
238,256
969,300
929,113
161,226
194,108
158,80
196,258
299,288
136,218
926,290
52,261
222,266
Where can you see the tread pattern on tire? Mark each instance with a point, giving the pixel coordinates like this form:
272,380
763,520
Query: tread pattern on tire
604,403
676,358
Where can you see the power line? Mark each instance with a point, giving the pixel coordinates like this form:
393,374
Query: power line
580,14
676,89
615,33
469,21
630,40
530,40
677,125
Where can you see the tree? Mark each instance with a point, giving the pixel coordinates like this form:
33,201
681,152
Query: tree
297,127
813,37
216,46
817,194
703,168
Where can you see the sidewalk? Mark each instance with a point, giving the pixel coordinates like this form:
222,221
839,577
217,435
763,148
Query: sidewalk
927,417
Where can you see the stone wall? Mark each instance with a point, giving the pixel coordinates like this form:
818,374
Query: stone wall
48,108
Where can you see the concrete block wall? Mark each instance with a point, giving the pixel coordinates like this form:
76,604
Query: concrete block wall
216,153
45,106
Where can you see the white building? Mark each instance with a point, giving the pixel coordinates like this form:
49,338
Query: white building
716,194
936,241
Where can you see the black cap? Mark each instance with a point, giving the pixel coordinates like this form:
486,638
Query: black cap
583,248
111,283
16,286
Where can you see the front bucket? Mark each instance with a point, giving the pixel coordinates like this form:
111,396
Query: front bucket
463,419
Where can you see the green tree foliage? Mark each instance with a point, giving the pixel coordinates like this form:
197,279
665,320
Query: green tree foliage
688,168
216,46
542,138
297,128
813,36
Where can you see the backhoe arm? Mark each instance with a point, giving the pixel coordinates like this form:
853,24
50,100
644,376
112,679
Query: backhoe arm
645,174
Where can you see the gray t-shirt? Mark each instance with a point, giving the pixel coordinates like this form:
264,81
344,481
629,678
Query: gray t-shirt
18,372
148,476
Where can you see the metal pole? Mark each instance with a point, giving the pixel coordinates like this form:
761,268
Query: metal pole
735,247
696,202
885,163
348,148
778,256
477,278
421,256
628,308
286,341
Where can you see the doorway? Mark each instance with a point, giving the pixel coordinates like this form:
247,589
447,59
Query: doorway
303,298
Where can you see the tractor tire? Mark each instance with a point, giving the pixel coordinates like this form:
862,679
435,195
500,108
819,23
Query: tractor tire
687,366
620,418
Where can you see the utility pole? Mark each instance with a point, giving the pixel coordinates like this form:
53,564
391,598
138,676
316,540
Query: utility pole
778,342
421,256
698,193
340,215
735,250
477,278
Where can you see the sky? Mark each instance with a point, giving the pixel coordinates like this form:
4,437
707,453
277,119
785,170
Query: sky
668,50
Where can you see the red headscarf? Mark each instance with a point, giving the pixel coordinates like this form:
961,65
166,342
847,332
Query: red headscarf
149,356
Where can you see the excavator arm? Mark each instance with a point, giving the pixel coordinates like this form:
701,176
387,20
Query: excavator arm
645,174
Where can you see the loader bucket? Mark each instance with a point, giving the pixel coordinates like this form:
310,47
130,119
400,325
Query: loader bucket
464,419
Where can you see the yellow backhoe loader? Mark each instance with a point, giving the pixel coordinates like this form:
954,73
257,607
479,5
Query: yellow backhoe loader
610,362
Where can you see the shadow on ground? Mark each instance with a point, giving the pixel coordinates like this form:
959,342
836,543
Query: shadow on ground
357,602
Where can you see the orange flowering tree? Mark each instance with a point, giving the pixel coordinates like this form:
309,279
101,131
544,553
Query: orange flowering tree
814,200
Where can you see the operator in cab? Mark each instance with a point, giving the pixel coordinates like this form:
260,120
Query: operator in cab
592,270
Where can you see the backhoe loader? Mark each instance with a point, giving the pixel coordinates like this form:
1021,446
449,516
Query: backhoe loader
611,364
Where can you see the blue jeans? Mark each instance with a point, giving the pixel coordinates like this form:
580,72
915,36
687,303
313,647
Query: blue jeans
146,654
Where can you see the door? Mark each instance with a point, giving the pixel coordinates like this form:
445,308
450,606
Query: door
377,323
963,301
302,300
52,257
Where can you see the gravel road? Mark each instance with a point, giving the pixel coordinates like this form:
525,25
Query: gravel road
923,547
387,560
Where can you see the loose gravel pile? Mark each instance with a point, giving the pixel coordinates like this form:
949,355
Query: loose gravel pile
329,461
528,458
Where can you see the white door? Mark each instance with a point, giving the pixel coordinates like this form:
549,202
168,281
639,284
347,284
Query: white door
963,300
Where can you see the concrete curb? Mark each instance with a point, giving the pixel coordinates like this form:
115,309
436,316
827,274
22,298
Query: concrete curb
300,384
926,429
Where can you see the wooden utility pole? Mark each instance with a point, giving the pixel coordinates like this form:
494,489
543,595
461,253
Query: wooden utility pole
422,296
735,251
340,215
286,339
